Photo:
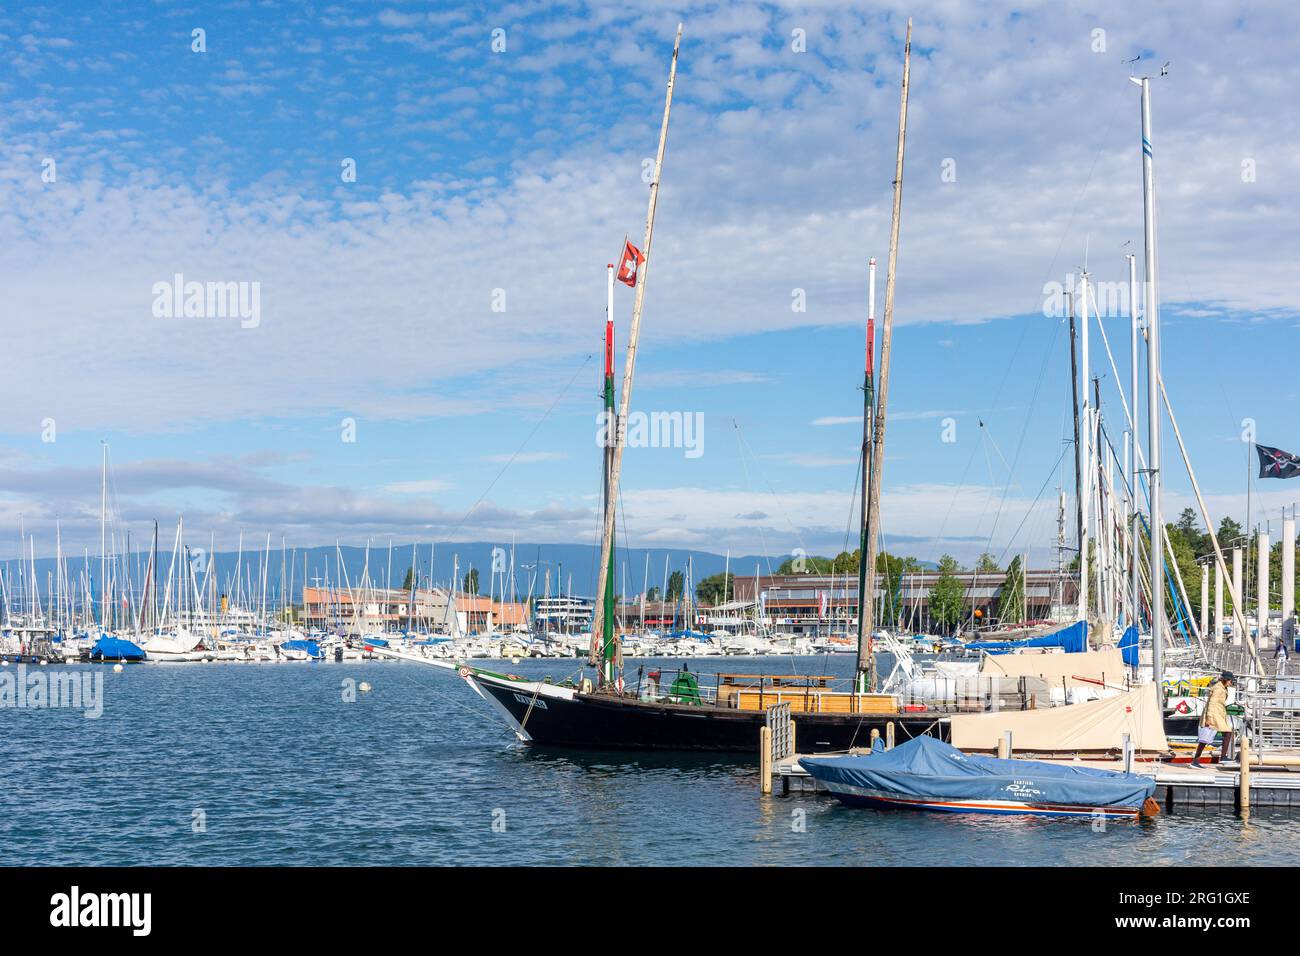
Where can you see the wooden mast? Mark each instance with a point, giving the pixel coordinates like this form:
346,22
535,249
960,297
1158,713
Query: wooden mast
867,599
601,638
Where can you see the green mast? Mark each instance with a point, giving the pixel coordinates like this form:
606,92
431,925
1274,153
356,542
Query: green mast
865,676
608,650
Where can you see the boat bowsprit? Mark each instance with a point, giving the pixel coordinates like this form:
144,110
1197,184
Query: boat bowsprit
927,774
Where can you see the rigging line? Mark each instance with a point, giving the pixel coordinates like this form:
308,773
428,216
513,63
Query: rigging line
744,466
777,498
1069,224
1030,510
1024,431
506,467
477,712
961,485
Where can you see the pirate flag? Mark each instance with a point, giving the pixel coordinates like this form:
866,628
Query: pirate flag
1276,463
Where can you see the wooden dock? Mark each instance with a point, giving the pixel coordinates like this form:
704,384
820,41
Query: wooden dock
1177,785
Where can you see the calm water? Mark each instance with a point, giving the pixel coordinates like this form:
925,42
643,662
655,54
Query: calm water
282,771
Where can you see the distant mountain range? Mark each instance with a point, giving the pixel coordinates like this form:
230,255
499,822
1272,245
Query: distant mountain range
572,567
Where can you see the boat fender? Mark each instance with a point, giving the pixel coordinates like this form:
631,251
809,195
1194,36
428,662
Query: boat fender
1149,807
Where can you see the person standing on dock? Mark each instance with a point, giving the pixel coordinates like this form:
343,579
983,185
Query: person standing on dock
1215,719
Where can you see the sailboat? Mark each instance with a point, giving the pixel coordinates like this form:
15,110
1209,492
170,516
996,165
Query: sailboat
661,710
109,648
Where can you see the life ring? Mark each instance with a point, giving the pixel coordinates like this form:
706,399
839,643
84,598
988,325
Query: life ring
1182,707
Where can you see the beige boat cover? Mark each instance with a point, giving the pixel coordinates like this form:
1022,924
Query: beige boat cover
1096,725
1085,668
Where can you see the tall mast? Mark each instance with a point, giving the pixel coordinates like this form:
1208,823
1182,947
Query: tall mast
1134,586
608,649
600,636
1157,556
867,596
103,545
868,416
1085,492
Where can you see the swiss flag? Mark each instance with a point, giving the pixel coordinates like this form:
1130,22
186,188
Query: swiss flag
630,266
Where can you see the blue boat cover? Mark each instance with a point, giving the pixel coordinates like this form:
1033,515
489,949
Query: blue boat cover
1073,638
116,649
311,647
928,768
1128,646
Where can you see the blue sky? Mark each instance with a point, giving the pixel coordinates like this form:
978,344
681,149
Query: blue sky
521,171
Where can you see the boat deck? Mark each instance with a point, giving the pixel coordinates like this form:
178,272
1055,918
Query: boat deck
1177,785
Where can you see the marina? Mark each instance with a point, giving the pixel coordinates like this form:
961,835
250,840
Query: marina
710,436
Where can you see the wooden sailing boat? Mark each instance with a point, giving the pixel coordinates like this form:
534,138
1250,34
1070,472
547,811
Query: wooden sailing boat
684,714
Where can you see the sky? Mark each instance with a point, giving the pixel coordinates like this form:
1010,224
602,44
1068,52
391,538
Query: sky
425,357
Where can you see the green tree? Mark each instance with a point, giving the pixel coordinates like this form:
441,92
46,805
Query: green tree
1184,546
948,594
1229,531
715,587
1189,529
676,586
1011,595
409,579
847,562
890,569
805,564
471,581
987,564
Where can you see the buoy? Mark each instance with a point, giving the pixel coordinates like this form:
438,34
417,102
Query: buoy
364,687
117,668
514,660
43,662
4,663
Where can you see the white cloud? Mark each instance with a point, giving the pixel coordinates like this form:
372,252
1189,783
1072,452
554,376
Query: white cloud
422,487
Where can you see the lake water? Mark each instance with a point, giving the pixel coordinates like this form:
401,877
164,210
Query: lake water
246,764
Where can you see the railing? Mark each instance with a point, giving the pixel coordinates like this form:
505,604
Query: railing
992,693
1231,657
658,685
779,723
1273,719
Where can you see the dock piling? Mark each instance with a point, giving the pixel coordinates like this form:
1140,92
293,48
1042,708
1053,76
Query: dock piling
765,759
1244,775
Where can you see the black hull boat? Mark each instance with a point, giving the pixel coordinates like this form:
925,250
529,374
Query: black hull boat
551,715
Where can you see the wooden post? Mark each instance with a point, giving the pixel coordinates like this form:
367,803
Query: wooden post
1004,745
889,735
765,759
1128,753
1244,775
794,746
